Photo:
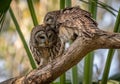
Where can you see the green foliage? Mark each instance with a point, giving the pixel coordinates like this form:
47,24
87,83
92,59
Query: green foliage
32,12
74,75
110,53
88,69
88,64
102,5
22,39
63,79
62,4
4,6
63,76
68,3
33,15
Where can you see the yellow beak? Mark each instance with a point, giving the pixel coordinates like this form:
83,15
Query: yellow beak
46,42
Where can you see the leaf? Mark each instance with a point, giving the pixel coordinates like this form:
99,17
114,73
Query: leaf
4,6
104,6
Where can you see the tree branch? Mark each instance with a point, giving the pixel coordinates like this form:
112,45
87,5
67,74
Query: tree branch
108,40
95,39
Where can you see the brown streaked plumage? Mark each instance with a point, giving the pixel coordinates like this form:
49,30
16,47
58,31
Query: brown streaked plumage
69,22
65,25
44,44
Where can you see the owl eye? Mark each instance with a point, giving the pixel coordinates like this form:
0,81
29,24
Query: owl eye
50,35
41,37
49,19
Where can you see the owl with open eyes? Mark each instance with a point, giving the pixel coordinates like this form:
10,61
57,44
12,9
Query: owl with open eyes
45,44
69,22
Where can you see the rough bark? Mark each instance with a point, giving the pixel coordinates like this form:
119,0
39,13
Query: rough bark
96,39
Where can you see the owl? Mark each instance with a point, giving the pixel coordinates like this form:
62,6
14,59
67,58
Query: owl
50,19
69,21
63,15
45,44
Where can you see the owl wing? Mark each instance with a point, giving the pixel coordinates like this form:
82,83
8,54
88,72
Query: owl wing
35,53
72,24
76,10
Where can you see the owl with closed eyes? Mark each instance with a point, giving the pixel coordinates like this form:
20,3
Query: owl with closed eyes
44,44
70,21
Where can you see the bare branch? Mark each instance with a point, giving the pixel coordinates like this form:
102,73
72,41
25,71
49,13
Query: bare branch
96,39
108,39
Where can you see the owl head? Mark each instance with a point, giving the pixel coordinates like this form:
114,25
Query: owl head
43,36
51,17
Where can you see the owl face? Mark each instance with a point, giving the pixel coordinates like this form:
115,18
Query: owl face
43,36
51,17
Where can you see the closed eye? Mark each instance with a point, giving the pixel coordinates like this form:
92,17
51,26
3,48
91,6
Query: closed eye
49,20
50,36
42,37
